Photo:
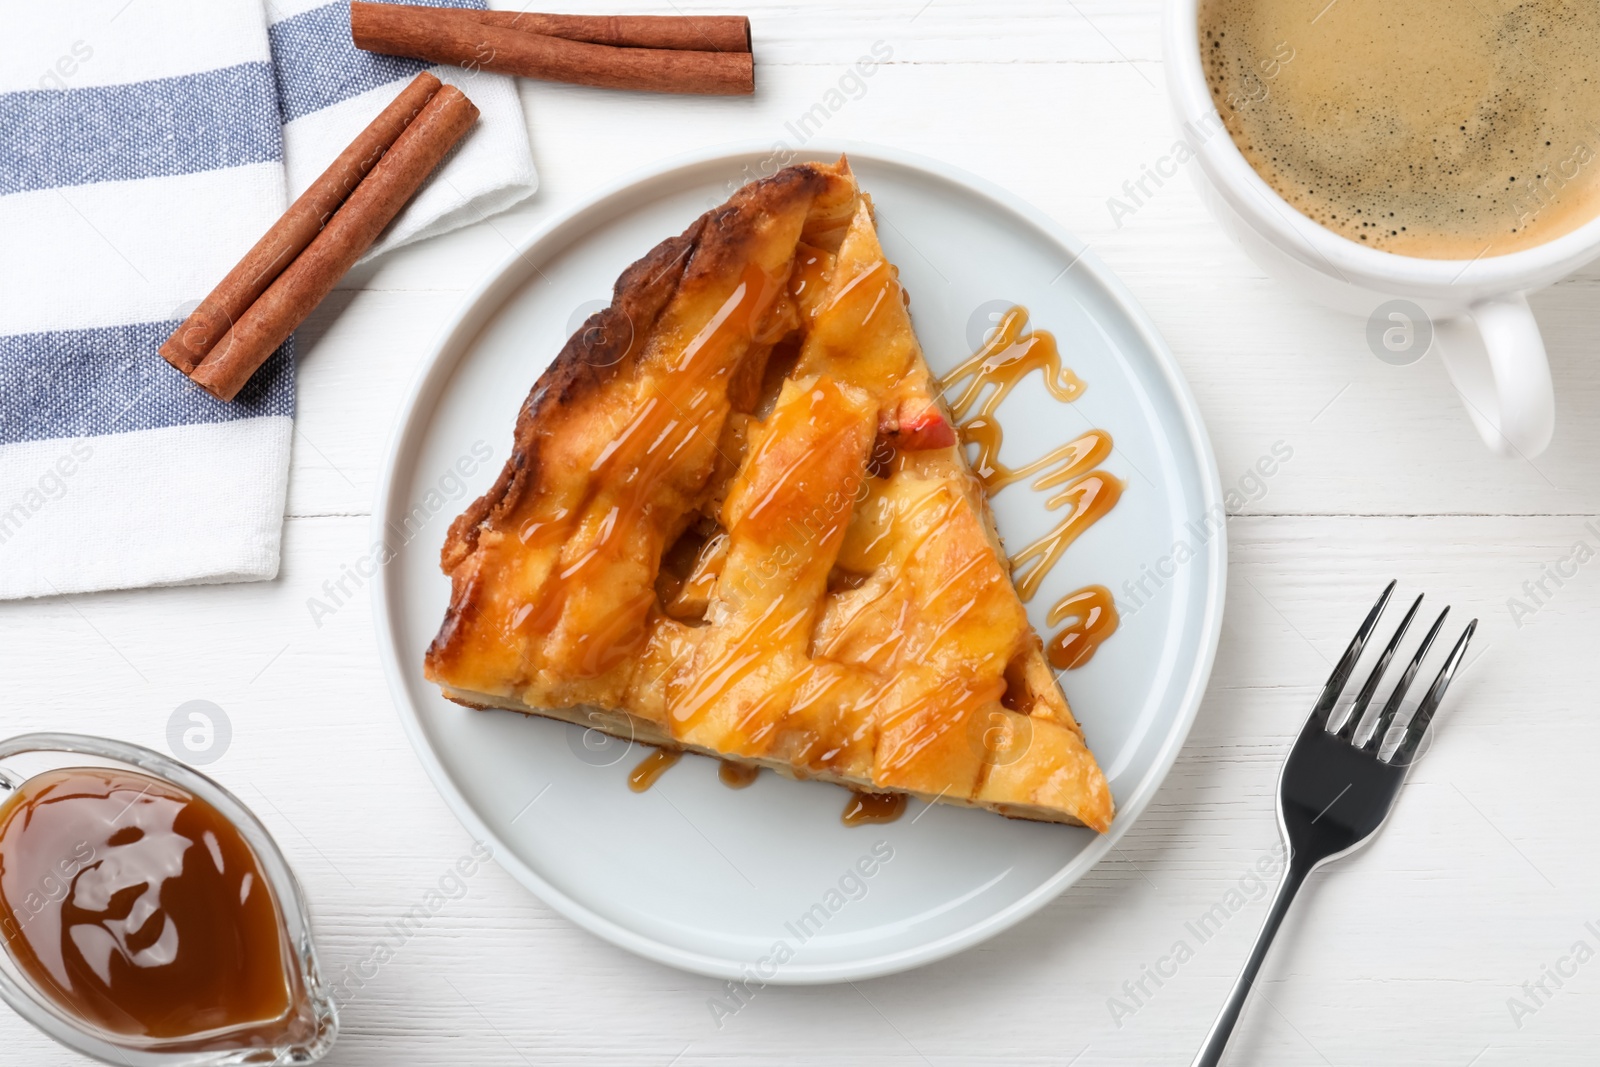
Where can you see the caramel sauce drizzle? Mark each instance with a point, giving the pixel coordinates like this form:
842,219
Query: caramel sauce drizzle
1094,614
1069,460
737,775
1010,353
651,768
866,808
1091,497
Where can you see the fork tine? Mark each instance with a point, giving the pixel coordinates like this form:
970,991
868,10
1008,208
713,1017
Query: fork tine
1348,728
1347,662
1374,740
1430,703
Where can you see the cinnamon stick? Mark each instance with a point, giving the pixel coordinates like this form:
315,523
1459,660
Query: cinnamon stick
687,33
351,231
288,237
458,37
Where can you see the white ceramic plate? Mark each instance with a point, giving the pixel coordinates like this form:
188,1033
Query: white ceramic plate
716,881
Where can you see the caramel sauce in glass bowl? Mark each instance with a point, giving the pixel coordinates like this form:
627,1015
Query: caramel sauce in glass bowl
147,918
162,926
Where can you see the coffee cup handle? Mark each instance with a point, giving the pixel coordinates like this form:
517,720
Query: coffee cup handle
1496,360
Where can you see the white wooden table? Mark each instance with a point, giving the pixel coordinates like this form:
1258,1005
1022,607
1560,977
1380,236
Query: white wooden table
1414,952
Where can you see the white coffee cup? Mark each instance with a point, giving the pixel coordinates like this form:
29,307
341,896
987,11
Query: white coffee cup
1477,309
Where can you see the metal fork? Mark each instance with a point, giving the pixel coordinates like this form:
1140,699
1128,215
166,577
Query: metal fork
1337,787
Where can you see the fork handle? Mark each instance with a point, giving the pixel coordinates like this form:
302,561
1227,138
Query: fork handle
1211,1049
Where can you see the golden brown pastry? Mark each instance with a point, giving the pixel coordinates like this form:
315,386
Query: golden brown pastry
736,521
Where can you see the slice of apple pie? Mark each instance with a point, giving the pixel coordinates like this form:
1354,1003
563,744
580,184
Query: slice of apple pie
737,521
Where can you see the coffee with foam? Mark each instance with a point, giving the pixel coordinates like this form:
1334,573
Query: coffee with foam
1446,129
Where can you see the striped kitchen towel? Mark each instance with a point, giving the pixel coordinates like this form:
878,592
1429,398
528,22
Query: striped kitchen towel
144,146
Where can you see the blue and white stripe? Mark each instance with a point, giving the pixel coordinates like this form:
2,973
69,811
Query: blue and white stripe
143,148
